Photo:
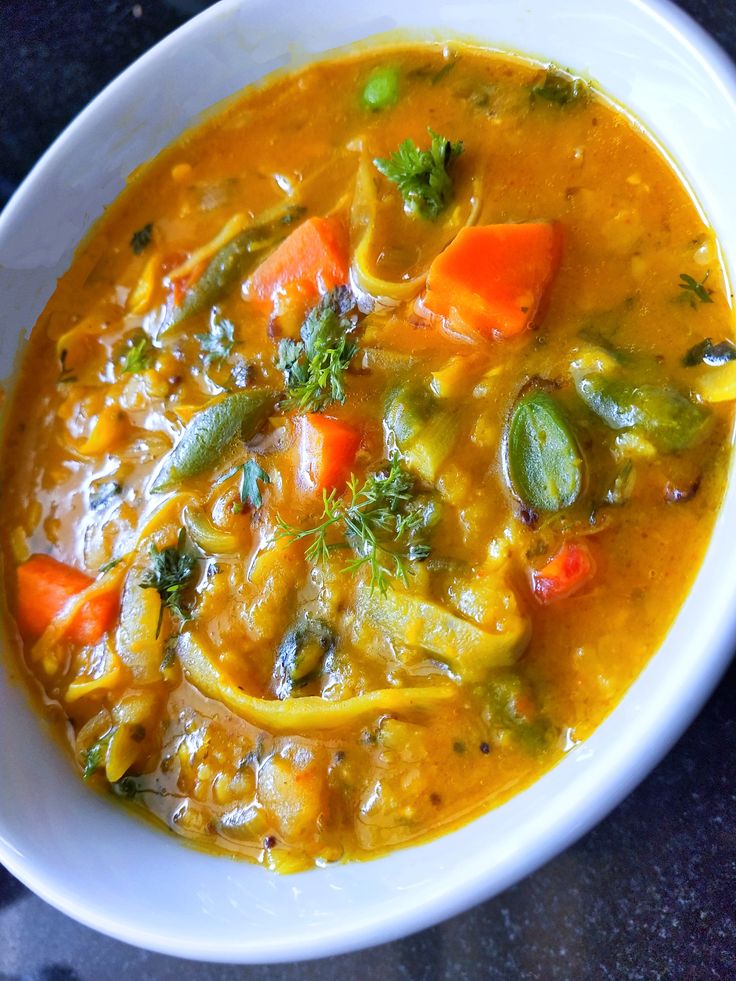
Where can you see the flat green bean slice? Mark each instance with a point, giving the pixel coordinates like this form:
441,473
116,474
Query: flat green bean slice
667,417
543,459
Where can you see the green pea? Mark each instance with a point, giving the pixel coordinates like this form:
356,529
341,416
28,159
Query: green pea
382,88
543,460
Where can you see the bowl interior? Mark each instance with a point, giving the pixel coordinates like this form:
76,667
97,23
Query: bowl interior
90,857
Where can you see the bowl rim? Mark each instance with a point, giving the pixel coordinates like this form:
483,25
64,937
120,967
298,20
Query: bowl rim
591,799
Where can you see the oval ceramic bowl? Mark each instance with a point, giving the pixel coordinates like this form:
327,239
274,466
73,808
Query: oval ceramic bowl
89,856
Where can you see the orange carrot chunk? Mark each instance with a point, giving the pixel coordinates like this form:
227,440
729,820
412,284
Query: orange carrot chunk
45,586
494,279
565,573
327,450
312,260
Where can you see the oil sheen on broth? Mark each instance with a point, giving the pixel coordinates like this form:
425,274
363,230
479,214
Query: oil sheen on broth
366,452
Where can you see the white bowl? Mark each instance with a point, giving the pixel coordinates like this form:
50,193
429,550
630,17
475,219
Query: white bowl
87,855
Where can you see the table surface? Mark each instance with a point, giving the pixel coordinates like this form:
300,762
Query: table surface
648,894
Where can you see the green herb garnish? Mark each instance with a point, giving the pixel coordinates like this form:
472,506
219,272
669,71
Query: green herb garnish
314,367
108,565
169,654
379,521
141,239
217,345
138,357
706,352
250,492
694,289
171,570
94,758
421,175
560,88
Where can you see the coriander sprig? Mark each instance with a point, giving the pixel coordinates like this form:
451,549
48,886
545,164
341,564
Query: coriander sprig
171,570
381,521
421,175
217,345
138,357
692,289
314,367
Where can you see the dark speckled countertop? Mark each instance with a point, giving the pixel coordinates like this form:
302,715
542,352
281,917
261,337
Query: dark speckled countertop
649,895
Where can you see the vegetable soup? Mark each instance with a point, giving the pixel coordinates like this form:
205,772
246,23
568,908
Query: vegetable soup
366,452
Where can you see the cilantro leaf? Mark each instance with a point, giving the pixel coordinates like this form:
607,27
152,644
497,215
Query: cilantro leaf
217,345
138,357
421,175
171,570
141,239
94,758
314,366
694,289
250,492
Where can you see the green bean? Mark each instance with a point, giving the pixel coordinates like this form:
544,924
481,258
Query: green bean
667,417
231,264
210,434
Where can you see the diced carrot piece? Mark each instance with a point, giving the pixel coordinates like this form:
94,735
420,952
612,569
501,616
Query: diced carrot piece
327,450
494,279
313,259
565,573
45,586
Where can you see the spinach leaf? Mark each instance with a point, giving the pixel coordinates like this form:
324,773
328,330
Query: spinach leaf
301,653
314,367
138,357
95,756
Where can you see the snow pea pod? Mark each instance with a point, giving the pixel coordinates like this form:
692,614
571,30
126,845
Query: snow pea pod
210,434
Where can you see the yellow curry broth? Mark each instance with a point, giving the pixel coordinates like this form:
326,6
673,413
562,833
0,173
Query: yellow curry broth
293,798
